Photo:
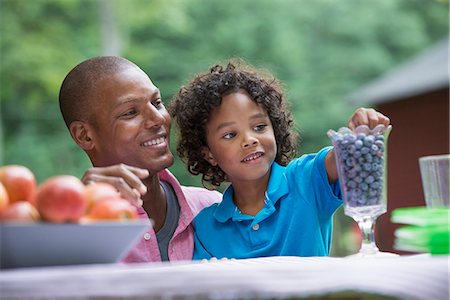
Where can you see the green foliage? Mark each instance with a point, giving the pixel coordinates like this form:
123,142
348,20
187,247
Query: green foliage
320,49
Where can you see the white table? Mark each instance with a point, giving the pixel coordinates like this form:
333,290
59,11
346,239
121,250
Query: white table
403,277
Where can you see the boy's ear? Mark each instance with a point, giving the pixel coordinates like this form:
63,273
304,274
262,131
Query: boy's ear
207,155
81,133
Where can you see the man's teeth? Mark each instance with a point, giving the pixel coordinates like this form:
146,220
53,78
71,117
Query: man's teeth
154,142
252,157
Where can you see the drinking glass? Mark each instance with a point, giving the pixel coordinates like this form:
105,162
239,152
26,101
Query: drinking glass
434,171
361,162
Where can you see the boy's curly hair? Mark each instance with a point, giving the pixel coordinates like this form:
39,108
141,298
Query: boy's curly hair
192,106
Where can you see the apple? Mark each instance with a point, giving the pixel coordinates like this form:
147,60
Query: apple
20,211
61,199
4,199
99,191
19,182
113,209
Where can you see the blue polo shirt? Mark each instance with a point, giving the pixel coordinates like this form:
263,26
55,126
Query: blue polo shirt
295,221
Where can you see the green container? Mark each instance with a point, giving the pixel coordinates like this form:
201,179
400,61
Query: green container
427,229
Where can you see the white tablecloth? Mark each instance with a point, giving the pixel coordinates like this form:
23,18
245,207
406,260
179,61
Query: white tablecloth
403,277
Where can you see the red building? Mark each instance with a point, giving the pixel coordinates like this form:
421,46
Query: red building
415,96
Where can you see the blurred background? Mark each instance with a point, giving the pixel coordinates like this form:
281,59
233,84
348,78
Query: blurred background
322,50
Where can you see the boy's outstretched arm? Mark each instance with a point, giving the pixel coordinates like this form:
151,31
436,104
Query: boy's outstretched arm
362,116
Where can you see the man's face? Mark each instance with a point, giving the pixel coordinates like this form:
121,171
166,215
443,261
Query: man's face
130,123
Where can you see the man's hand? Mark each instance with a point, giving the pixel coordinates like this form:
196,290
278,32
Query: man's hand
126,179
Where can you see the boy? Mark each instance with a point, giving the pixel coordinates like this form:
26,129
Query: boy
235,127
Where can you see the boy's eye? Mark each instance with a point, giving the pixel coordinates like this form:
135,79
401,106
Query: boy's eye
260,127
229,135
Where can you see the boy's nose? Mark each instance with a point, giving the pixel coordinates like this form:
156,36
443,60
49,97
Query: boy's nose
249,141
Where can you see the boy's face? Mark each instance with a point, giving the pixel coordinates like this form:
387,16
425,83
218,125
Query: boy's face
240,139
130,123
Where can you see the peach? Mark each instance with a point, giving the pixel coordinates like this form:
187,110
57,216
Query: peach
20,211
4,199
19,182
99,191
61,199
113,209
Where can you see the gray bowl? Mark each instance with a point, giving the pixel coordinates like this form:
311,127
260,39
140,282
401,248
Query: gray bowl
46,244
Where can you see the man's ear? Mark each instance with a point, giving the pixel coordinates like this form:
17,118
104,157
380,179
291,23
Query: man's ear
207,155
81,133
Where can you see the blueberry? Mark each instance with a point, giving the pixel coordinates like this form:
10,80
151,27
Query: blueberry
367,167
373,192
375,185
359,144
351,173
374,149
350,162
361,201
352,184
360,136
369,179
351,149
369,140
368,157
358,179
379,144
364,186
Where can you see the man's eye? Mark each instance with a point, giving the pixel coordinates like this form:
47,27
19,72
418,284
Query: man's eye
158,103
260,127
229,135
129,113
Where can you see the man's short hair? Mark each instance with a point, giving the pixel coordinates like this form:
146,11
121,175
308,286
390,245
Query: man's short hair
76,91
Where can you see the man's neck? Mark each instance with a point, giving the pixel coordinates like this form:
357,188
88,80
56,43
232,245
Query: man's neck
155,201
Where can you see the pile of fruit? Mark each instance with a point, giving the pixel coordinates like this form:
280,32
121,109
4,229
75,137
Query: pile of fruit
58,199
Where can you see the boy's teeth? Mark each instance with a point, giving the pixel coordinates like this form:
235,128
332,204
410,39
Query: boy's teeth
254,156
154,142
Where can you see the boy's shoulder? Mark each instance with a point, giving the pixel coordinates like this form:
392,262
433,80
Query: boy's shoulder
310,157
200,198
197,198
206,215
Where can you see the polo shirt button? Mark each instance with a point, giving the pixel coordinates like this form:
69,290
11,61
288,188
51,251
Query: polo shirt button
147,236
255,227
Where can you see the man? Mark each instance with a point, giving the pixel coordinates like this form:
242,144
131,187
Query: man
115,114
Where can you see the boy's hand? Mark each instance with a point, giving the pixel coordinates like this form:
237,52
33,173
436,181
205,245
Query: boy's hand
126,179
362,116
367,116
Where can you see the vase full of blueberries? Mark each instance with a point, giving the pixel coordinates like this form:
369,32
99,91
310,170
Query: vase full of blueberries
361,157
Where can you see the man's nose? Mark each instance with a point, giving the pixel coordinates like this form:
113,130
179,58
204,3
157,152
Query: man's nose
153,117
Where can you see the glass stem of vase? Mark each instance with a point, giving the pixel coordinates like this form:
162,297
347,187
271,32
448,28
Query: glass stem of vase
367,227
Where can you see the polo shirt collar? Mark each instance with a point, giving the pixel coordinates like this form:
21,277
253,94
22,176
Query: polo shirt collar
277,188
278,183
